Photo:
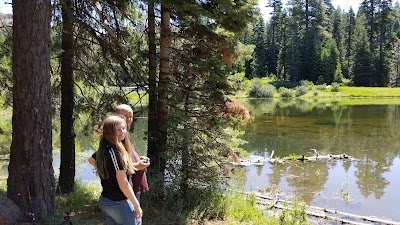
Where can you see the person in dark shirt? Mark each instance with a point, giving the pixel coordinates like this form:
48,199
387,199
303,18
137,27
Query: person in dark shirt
114,166
139,179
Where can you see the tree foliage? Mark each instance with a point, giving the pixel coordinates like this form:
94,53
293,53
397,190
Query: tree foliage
310,39
204,37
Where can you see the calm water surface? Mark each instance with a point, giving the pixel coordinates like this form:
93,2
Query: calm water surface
369,133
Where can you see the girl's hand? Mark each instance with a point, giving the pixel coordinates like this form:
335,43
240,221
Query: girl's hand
138,211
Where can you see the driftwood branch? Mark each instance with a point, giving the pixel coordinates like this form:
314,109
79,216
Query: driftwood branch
325,213
324,216
259,160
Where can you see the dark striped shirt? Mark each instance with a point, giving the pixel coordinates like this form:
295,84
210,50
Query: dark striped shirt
113,163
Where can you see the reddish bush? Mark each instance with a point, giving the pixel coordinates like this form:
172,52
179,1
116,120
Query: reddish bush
233,108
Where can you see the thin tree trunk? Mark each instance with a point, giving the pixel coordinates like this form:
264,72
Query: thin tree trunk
67,164
163,84
152,118
185,152
31,183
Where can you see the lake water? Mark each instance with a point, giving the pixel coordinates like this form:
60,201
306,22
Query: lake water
368,132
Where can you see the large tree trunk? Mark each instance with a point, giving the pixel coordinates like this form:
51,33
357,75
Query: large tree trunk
152,118
31,183
67,165
163,84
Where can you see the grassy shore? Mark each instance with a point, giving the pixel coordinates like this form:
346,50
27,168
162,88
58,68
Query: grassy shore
329,94
202,207
366,92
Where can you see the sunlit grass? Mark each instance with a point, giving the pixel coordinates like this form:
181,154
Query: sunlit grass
139,96
81,205
369,91
344,96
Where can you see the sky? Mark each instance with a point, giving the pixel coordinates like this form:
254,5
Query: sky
5,8
344,4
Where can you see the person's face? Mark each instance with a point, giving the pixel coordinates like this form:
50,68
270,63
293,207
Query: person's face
128,117
120,130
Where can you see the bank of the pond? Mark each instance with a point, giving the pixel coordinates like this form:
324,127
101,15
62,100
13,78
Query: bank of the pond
370,95
212,208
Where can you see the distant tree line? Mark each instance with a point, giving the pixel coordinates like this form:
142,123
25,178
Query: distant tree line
311,40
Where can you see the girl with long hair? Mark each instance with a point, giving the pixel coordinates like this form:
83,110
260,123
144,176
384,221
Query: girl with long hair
114,167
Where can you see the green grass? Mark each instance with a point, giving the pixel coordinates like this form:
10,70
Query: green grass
377,92
81,205
343,91
200,206
240,209
203,206
295,216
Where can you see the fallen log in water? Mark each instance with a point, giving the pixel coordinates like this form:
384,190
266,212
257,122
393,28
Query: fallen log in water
320,215
259,160
320,212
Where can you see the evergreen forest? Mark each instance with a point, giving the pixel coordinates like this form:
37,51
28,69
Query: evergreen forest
311,40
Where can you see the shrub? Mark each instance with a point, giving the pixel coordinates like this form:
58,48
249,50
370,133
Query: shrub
296,215
306,83
347,82
301,90
286,93
321,87
204,205
259,90
237,81
283,83
335,87
320,80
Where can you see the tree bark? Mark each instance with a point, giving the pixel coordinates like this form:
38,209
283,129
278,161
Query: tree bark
67,162
31,183
163,84
152,114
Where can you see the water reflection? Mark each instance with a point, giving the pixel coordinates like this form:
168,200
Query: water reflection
369,133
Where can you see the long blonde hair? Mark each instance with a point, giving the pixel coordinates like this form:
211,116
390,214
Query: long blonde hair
109,134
